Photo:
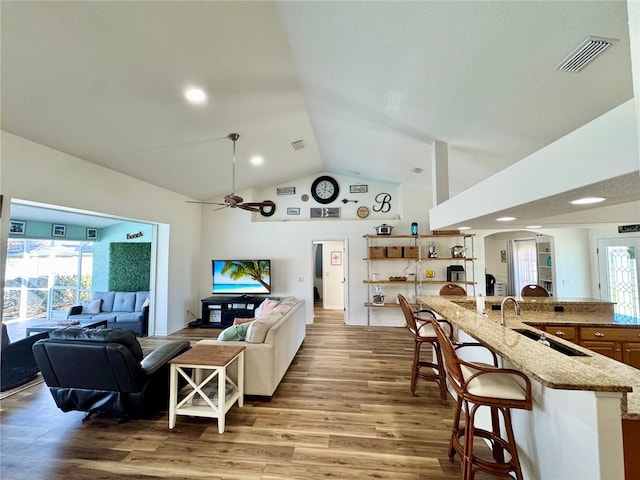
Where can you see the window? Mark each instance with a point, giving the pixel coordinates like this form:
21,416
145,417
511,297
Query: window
43,278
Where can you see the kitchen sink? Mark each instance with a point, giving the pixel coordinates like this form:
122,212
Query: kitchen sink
558,347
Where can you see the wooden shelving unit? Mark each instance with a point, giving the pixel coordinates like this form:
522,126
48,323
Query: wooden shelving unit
414,267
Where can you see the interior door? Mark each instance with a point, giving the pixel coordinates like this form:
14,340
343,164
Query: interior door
333,275
619,271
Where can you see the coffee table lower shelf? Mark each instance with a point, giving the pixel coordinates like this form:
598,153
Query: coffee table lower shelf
207,363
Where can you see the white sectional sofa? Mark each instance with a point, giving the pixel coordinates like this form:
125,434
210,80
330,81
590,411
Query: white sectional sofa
267,357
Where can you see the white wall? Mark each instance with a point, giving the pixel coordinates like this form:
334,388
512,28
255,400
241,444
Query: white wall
586,155
232,233
36,173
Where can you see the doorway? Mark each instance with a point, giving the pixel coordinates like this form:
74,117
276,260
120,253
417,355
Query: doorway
619,271
329,275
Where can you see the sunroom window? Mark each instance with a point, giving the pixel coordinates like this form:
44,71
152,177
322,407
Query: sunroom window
43,278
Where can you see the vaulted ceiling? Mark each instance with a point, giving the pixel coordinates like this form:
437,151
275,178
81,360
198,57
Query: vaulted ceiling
368,86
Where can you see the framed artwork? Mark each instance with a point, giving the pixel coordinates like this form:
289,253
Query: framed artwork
358,188
336,257
16,227
286,190
92,233
58,230
503,256
293,211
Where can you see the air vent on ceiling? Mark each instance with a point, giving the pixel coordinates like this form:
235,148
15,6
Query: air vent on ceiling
585,53
298,145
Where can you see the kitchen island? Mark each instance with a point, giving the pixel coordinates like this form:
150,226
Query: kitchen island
575,428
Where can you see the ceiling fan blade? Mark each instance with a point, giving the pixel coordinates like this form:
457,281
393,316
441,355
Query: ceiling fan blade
248,207
205,203
260,204
220,208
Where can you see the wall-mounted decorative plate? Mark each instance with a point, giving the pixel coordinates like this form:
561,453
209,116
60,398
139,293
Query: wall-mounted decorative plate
363,212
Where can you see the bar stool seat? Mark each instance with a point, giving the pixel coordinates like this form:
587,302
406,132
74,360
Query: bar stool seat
480,385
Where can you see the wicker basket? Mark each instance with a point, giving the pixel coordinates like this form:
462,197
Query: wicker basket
376,252
410,252
394,252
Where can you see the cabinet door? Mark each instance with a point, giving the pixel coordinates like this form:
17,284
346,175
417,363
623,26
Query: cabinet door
631,354
608,349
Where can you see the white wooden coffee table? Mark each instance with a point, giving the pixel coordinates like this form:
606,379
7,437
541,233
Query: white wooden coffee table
208,363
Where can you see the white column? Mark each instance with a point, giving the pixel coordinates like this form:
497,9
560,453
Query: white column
440,172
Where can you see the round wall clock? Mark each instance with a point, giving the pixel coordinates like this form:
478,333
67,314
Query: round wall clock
363,212
325,189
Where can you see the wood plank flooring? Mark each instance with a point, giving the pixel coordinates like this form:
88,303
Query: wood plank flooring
343,410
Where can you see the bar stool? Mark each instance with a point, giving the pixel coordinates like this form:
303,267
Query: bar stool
422,332
533,290
477,385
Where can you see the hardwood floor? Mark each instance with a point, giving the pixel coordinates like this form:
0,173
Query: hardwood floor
343,410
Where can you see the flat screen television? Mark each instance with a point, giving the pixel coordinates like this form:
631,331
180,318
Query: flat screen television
241,277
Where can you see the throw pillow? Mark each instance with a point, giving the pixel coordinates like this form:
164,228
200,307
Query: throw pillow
146,303
268,307
92,307
239,321
234,333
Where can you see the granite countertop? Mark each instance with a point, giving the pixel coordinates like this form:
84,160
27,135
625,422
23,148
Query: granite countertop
593,372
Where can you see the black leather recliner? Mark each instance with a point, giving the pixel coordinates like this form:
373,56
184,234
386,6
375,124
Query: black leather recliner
17,365
103,371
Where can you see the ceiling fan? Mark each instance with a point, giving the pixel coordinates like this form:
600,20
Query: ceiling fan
236,201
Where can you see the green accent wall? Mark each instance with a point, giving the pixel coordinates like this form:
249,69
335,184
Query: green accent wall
129,266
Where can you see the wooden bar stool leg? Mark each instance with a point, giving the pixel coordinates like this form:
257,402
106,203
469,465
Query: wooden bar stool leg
468,442
442,375
515,458
416,367
497,449
455,429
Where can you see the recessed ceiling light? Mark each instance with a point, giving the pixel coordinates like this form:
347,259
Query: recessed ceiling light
257,160
195,96
587,200
505,219
534,226
464,228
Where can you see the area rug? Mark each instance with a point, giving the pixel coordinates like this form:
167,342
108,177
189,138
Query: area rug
7,393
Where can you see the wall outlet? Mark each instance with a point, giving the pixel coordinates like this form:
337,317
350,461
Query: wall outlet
301,279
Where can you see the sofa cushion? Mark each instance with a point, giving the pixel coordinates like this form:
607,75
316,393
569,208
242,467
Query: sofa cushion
107,300
141,299
260,326
234,333
101,335
92,306
124,302
128,317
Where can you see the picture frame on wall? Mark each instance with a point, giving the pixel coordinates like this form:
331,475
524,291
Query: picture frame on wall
358,188
92,233
17,227
336,257
293,211
58,230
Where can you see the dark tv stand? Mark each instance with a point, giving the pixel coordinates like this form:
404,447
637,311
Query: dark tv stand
219,311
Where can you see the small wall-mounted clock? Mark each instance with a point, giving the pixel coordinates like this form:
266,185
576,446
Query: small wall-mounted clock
325,189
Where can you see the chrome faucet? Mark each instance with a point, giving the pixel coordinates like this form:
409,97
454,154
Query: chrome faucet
516,307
